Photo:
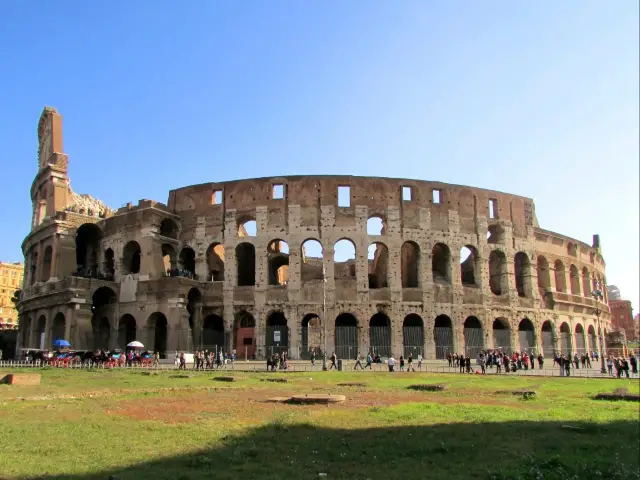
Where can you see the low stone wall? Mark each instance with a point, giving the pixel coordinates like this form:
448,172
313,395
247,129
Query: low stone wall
22,379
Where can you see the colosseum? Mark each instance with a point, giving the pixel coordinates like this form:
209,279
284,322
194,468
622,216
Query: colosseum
341,264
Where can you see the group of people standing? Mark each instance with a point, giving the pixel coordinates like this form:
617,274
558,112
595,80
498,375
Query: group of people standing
495,358
622,365
204,359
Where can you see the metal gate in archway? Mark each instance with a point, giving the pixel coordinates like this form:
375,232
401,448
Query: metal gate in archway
580,343
502,340
413,341
380,341
473,341
276,339
443,337
565,343
527,341
346,342
593,342
547,344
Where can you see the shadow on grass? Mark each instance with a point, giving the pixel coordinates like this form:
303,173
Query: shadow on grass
509,450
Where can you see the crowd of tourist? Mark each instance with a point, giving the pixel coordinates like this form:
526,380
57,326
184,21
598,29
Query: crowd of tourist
205,360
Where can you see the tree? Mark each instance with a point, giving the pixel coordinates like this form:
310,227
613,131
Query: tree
16,297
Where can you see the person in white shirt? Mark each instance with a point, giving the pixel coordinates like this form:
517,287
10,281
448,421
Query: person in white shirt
392,363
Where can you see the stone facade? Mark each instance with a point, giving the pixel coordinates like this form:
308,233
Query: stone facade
11,277
622,317
229,265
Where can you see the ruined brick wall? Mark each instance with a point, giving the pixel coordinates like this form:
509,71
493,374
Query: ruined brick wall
190,270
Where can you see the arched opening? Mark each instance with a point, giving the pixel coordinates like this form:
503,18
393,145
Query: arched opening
565,339
213,333
561,281
523,274
158,330
346,336
169,228
169,259
544,279
527,336
102,297
33,268
109,265
548,340
25,328
581,346
495,234
410,265
194,307
586,283
102,332
498,272
46,264
277,333
375,226
247,227
378,259
246,260
312,262
215,262
574,276
380,335
344,259
131,256
473,338
187,262
441,263
311,336
58,327
413,335
126,330
88,237
41,329
443,336
469,266
103,301
593,340
243,335
502,335
278,261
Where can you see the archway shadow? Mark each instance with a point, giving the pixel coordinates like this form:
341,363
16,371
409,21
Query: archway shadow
493,450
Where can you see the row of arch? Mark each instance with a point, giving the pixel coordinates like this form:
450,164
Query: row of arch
346,334
580,282
344,265
89,237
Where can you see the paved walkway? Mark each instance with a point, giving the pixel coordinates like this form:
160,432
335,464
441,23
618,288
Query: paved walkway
429,366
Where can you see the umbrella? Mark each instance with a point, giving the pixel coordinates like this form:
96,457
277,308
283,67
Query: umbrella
135,344
59,343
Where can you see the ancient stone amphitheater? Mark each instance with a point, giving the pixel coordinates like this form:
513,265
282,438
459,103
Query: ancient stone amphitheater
304,263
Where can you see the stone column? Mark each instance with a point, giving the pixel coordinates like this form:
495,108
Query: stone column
293,322
47,329
429,340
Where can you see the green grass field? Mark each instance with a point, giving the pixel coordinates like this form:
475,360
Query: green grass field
93,424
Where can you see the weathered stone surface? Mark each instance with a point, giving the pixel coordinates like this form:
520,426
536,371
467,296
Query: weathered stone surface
318,398
22,379
192,273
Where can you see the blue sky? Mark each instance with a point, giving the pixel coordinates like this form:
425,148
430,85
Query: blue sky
534,98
